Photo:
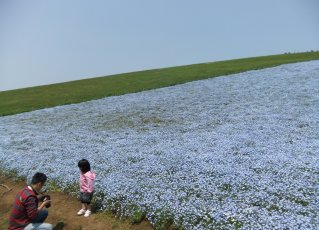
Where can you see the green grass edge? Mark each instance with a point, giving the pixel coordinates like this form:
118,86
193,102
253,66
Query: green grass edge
39,97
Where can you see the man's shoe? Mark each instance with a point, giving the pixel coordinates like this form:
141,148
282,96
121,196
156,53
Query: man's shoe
59,226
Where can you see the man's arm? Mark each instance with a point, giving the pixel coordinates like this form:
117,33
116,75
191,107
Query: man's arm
44,203
31,207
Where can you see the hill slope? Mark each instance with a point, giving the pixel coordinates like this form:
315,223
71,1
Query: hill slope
28,99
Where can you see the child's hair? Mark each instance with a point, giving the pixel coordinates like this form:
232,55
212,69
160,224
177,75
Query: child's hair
84,165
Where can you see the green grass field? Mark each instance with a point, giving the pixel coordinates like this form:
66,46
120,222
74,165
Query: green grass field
28,99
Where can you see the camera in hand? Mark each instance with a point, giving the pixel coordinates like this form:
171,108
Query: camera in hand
47,197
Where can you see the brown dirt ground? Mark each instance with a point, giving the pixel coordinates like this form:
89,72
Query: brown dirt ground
64,208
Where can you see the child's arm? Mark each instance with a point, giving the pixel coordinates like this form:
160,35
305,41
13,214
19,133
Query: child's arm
84,184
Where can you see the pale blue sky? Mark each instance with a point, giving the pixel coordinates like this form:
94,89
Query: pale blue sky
44,42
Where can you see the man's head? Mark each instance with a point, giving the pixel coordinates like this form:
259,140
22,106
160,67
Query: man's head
38,180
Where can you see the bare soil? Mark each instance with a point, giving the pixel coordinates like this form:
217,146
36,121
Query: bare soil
63,209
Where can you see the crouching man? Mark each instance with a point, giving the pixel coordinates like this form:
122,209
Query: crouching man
26,214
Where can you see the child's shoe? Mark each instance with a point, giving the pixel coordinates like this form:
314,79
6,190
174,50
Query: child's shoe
81,212
87,213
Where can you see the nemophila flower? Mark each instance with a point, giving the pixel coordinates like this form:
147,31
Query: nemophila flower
233,151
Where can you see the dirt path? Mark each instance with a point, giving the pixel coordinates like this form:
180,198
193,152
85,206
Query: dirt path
64,208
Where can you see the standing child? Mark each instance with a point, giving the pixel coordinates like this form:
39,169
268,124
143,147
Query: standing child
86,187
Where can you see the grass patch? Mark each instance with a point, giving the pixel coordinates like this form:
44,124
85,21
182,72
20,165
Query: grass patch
165,220
11,174
137,215
33,98
137,121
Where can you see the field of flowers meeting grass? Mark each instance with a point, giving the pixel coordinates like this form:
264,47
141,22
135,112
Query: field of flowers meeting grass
237,151
39,97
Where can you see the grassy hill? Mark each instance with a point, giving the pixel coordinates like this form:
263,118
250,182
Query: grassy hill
28,99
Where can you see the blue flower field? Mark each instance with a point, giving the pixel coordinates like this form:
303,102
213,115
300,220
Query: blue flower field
238,151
